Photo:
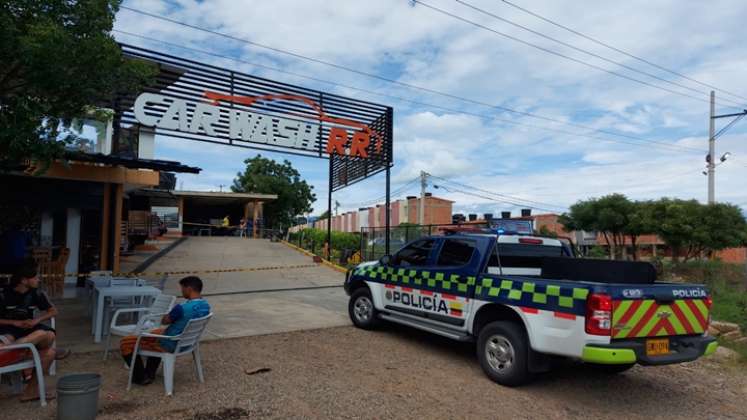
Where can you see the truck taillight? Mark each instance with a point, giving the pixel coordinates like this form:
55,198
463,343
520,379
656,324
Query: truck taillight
708,303
599,314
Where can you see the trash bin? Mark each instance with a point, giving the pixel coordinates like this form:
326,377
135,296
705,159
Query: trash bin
78,396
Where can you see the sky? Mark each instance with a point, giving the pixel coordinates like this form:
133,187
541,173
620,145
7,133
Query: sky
598,133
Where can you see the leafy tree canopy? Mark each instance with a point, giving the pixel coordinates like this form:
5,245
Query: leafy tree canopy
266,176
691,228
58,62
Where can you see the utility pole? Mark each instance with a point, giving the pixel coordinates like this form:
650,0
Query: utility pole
712,136
712,151
421,207
337,207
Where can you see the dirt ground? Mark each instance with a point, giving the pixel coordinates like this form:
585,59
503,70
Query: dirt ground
396,373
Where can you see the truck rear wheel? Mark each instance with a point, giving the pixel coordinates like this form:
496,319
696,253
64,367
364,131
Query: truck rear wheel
503,349
361,309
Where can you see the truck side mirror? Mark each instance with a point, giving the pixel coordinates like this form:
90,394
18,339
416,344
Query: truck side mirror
385,260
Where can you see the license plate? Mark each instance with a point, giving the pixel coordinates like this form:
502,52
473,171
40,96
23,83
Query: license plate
657,347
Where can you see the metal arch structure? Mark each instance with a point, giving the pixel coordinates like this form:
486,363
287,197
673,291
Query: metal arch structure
202,102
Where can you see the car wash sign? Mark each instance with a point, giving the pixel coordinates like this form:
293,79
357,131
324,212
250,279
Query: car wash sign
214,117
197,101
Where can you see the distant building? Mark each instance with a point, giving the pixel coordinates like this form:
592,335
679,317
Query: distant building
437,211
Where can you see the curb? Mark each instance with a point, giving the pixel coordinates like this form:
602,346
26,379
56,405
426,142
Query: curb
328,263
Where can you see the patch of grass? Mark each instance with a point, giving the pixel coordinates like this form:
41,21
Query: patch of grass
741,349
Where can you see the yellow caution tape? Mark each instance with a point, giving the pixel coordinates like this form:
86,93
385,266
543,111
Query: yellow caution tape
168,273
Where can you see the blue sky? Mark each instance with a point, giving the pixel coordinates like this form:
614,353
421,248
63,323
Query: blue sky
476,145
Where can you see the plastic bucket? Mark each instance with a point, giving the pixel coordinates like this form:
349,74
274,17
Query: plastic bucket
78,396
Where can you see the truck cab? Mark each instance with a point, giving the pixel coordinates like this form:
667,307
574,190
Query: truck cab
525,299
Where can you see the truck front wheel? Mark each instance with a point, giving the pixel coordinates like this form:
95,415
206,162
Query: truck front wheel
502,349
361,309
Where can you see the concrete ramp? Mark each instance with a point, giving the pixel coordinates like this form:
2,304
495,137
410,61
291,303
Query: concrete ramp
217,253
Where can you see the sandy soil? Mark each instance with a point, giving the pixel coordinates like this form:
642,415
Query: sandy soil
396,373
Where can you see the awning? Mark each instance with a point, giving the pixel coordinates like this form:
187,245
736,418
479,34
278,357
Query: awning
132,163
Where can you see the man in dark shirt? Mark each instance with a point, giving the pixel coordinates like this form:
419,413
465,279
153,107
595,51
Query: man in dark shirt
18,302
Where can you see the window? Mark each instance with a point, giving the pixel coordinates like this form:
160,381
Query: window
414,254
456,252
525,256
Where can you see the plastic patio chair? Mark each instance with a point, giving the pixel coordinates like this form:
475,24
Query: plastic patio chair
117,303
187,342
34,362
151,318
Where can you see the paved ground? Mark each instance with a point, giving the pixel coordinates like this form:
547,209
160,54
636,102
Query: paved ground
241,301
208,253
399,373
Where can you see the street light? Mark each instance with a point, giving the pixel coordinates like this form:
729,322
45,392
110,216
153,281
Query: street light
725,156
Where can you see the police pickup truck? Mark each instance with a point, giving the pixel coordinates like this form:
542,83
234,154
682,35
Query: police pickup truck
526,300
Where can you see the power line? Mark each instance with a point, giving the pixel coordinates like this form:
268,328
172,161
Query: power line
452,189
394,193
388,80
592,54
728,126
505,196
549,51
597,41
653,143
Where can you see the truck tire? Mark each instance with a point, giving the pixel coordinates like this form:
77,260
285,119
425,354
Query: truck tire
503,349
361,309
612,369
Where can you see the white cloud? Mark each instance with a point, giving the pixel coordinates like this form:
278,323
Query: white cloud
417,46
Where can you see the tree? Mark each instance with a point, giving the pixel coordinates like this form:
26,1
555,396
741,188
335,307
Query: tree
545,231
59,61
640,222
324,215
266,176
692,229
608,215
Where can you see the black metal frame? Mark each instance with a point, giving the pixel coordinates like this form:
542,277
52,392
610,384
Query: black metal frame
185,79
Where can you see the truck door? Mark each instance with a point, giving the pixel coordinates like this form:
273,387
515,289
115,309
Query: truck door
438,287
406,266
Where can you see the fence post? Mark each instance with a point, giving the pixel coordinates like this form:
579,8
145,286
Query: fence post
360,246
407,234
429,229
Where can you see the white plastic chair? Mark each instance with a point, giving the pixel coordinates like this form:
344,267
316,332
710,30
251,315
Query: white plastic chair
95,278
187,342
150,318
117,303
34,362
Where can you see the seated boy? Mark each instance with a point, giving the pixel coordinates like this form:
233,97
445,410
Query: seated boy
194,307
19,302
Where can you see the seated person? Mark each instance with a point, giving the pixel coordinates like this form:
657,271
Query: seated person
18,302
194,307
13,356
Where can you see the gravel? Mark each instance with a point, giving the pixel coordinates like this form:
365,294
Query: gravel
396,373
